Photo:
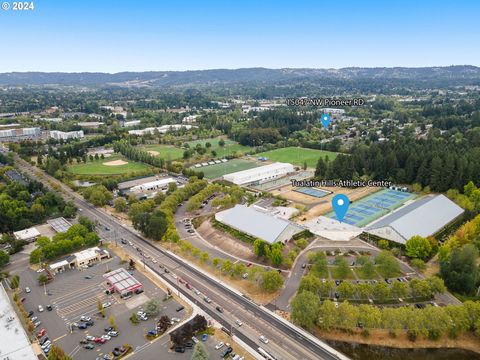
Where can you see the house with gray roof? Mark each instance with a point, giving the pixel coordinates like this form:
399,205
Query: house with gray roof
424,217
258,224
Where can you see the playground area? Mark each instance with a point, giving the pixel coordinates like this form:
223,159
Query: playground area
374,206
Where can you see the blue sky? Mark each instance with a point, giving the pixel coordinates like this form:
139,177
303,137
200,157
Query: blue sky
139,35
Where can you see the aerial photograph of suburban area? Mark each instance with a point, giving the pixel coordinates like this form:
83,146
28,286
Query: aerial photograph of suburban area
240,180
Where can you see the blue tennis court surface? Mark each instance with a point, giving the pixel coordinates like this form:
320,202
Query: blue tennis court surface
315,192
374,206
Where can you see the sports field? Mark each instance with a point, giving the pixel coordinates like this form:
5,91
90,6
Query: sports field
218,170
374,206
113,165
168,152
297,155
229,148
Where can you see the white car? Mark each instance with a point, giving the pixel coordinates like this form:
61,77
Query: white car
39,271
113,333
238,322
106,337
197,292
244,276
130,243
175,319
194,339
106,304
40,308
264,339
219,345
85,318
47,344
27,290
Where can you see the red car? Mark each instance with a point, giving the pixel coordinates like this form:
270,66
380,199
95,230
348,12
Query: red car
22,299
188,286
249,264
181,281
100,340
41,333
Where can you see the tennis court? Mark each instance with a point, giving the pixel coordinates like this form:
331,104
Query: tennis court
362,212
315,192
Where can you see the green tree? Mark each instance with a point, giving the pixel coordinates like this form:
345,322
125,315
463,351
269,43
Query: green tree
200,352
364,291
381,292
326,288
227,266
56,353
310,283
271,281
276,256
368,269
112,322
14,282
204,257
460,271
420,289
346,290
42,279
387,264
418,264
347,316
260,247
399,289
327,315
305,308
342,270
152,307
4,258
120,204
418,247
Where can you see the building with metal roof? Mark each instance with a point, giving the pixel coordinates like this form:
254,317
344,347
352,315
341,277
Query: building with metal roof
424,217
258,224
122,282
15,343
30,234
59,224
260,174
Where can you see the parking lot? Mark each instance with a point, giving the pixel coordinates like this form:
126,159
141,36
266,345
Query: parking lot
75,293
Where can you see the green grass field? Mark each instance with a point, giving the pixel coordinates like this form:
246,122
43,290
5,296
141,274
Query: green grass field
167,152
297,156
97,167
218,170
229,148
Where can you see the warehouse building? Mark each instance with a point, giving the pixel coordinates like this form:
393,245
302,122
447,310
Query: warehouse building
260,174
20,134
424,217
258,224
80,259
29,235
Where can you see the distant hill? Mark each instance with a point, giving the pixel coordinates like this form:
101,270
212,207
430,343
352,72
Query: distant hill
452,75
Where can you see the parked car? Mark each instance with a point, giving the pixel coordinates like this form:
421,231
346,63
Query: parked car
219,345
106,337
238,322
43,340
23,299
100,340
180,308
82,326
90,337
107,329
41,333
138,291
84,341
89,346
204,337
116,353
112,333
27,290
49,307
33,318
194,339
30,313
85,318
226,352
264,339
179,349
88,277
207,299
106,304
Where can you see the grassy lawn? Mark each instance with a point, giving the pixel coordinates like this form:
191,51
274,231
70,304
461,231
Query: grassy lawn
97,167
167,152
384,276
218,170
362,276
336,276
297,156
229,148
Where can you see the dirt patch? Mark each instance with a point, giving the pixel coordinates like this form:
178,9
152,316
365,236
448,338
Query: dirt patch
226,242
115,163
153,152
382,338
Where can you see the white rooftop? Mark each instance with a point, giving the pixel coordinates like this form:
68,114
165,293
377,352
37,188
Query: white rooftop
332,229
26,234
87,254
14,341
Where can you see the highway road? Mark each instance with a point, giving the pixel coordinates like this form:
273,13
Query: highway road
286,342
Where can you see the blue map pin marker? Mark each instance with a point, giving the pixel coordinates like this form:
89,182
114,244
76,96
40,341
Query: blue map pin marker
325,119
340,204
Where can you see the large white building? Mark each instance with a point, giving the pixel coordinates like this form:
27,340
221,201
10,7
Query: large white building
161,129
62,135
19,134
260,174
161,184
30,234
424,217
